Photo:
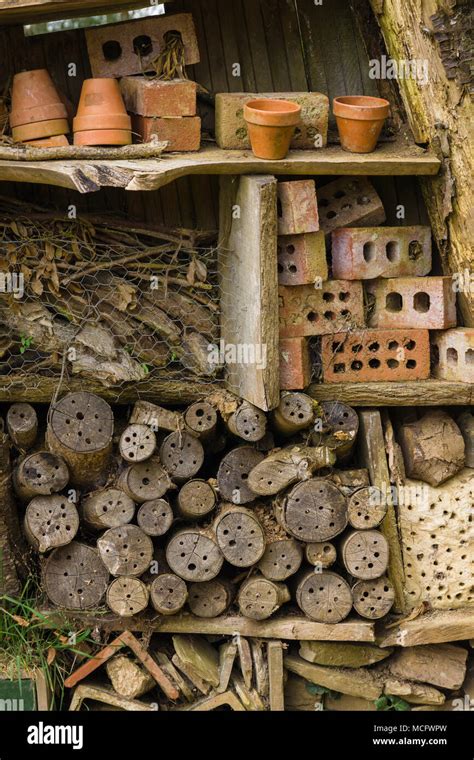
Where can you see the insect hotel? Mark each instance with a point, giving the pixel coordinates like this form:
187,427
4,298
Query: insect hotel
236,355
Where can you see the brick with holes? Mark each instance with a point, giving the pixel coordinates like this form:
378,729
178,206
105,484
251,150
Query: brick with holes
297,207
349,202
376,355
302,259
156,97
182,134
295,364
453,354
308,310
364,253
425,302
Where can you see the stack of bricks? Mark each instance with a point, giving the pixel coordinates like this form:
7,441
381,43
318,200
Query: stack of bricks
165,109
375,315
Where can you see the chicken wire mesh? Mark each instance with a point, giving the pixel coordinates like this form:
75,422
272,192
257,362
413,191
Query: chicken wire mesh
108,300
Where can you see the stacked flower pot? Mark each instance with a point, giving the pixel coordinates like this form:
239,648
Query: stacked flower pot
38,116
101,116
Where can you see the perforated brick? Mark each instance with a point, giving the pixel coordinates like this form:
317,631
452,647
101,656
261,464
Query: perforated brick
453,355
428,302
232,132
156,97
297,207
182,134
295,364
302,259
364,253
349,202
376,355
306,310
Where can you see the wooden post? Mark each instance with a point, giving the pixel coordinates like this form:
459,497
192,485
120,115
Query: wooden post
233,473
367,508
324,597
137,443
276,675
282,558
50,521
286,466
194,555
321,554
107,508
145,481
126,550
248,422
11,543
74,577
365,553
155,518
295,412
259,598
239,536
168,593
196,499
313,511
22,425
40,474
80,429
201,420
211,598
127,596
373,599
182,455
250,320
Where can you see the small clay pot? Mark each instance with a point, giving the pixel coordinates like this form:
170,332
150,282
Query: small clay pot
271,125
360,119
58,141
103,137
35,99
40,130
101,109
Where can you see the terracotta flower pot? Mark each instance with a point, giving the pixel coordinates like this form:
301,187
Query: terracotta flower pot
271,125
360,120
59,141
35,99
39,130
101,109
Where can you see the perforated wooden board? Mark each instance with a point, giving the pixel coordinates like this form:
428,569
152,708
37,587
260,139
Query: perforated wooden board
438,542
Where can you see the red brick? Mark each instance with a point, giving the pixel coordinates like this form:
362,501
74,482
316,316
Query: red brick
453,354
305,310
295,364
155,97
297,207
428,302
125,61
182,134
364,253
376,355
349,202
302,259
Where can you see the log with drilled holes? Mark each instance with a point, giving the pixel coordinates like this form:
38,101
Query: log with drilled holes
233,473
322,554
367,508
194,555
22,425
74,577
336,427
168,593
281,559
313,511
40,474
50,522
126,550
137,443
324,597
80,429
155,517
364,553
295,412
239,535
260,598
127,596
107,508
182,455
373,599
196,499
248,422
144,481
201,420
211,598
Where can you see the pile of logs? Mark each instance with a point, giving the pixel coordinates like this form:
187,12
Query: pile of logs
215,506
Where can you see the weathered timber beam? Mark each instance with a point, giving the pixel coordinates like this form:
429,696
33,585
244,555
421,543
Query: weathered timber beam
37,11
433,628
419,393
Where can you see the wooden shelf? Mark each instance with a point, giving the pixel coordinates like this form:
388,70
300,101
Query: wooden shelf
415,393
37,11
394,158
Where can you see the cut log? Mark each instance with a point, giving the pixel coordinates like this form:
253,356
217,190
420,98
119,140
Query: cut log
22,425
128,678
127,596
245,660
322,554
365,554
275,674
201,420
155,517
284,467
373,599
355,682
442,665
168,594
337,429
194,555
50,522
80,429
126,550
137,443
350,480
211,598
247,422
295,412
40,474
281,559
107,508
196,499
157,418
433,448
227,655
260,598
250,698
239,536
367,508
324,597
145,481
313,511
182,455
200,655
342,654
233,473
260,666
74,577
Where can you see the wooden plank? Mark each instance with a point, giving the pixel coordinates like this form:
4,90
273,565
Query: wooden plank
228,29
249,286
275,43
215,48
36,11
433,628
275,676
293,46
243,44
258,46
418,393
